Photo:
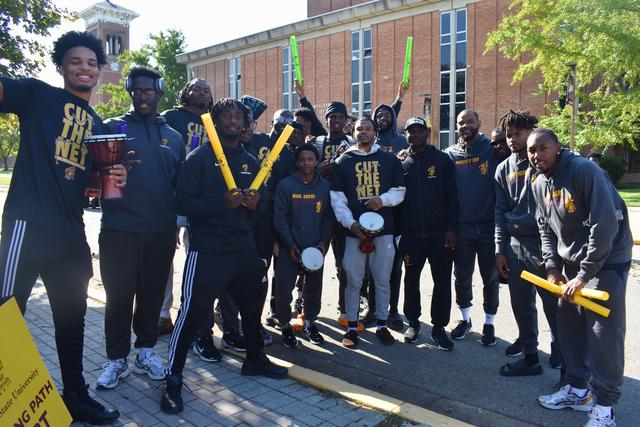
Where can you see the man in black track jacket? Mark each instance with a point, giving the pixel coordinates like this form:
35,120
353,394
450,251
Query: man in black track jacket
429,222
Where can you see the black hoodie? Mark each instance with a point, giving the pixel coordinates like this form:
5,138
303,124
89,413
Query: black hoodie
148,204
390,140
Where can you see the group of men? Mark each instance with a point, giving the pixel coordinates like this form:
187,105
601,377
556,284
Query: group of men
381,199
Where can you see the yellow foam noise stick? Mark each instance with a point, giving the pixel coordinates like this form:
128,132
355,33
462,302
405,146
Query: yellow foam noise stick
578,299
217,150
268,161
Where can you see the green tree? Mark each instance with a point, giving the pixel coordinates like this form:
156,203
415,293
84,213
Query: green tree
9,137
159,54
22,23
602,37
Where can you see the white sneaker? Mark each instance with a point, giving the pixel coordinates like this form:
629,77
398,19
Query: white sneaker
566,398
114,370
598,417
151,365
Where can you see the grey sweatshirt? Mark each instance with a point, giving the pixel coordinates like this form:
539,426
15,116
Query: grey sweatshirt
515,213
302,211
475,166
583,221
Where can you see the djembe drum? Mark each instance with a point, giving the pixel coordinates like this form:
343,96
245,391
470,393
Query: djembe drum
106,151
371,224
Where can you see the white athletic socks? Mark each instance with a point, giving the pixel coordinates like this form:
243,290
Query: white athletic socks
466,313
489,318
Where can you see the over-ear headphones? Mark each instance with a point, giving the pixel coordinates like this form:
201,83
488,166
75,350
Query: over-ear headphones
158,84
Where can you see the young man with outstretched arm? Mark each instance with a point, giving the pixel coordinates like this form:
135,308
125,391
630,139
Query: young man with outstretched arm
42,229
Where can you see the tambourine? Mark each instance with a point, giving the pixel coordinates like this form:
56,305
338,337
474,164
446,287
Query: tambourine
371,224
311,259
106,151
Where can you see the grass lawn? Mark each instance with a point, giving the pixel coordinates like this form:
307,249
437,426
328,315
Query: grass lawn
5,177
631,194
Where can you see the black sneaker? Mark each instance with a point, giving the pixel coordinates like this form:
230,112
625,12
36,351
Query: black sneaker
514,350
384,336
313,335
289,339
234,340
204,347
412,333
271,321
461,330
488,336
555,359
350,339
394,321
263,366
439,336
83,407
171,400
298,306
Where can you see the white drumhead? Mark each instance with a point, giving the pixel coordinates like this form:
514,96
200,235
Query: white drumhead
312,259
371,222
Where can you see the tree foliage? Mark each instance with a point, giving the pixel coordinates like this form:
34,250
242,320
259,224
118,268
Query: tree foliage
9,137
159,54
23,24
602,37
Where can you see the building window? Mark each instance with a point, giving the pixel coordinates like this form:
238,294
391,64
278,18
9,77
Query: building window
289,95
361,72
235,78
453,72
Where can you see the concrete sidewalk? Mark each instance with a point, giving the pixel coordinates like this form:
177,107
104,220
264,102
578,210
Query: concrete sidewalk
217,394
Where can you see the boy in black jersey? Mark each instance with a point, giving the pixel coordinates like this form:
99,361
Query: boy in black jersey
222,254
42,228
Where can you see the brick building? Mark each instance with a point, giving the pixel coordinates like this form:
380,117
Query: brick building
353,51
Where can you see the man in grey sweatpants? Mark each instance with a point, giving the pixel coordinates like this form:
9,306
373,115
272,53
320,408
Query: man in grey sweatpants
367,179
518,248
584,227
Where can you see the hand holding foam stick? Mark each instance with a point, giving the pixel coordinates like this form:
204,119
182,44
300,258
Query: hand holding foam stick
268,161
219,153
579,299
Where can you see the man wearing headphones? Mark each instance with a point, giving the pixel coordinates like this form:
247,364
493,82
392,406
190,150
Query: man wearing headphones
138,233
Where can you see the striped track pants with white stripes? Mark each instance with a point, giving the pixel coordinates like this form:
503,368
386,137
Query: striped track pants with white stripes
205,277
63,261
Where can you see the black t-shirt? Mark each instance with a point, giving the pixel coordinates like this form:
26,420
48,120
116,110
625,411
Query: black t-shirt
328,148
361,178
187,124
50,174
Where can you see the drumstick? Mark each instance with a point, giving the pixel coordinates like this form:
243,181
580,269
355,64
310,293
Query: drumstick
268,161
217,150
578,299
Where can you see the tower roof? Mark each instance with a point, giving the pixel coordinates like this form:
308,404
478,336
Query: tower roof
107,11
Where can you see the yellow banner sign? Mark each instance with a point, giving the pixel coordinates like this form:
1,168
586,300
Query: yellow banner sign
28,395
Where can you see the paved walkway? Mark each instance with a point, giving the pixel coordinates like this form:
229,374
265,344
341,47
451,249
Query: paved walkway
218,395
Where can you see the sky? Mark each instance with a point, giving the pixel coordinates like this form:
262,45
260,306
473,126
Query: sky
204,23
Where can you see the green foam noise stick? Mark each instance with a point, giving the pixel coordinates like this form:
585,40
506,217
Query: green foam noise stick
296,60
407,62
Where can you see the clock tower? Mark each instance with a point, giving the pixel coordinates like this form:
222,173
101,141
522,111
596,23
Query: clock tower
110,23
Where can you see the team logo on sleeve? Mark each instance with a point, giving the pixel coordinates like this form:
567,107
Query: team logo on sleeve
318,206
77,124
484,167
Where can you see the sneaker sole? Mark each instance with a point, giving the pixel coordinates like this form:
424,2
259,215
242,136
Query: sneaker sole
460,337
290,346
579,408
141,371
439,346
124,374
514,354
491,344
227,345
203,358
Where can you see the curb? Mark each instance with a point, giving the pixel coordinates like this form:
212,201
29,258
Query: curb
369,398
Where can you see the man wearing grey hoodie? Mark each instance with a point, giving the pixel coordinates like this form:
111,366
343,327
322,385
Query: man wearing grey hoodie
475,163
584,227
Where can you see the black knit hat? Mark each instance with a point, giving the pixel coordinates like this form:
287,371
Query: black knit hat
336,107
